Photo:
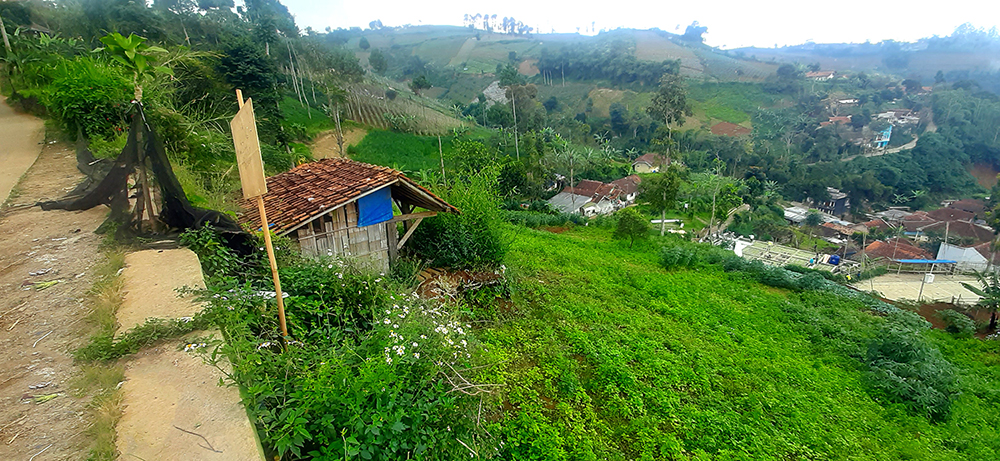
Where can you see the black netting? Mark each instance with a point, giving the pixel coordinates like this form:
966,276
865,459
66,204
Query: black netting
107,184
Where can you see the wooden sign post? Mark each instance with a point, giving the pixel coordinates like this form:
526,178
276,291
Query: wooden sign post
244,127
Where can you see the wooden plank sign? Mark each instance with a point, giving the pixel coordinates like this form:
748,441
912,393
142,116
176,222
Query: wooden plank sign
244,128
247,145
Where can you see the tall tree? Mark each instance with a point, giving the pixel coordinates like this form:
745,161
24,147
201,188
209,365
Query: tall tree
378,61
670,102
631,225
660,192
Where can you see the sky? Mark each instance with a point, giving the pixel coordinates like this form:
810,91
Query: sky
731,24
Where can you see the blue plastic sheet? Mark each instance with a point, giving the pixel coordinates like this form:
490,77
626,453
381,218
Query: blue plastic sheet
375,207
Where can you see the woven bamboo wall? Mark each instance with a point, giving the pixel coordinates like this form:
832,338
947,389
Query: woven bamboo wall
337,234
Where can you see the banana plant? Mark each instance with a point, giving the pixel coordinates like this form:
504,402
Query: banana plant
134,54
989,294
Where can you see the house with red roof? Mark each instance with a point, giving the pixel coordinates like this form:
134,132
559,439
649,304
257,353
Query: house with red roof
650,163
340,207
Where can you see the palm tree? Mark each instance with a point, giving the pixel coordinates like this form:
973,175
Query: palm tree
989,294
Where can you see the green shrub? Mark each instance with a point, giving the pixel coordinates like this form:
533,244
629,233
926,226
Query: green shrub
473,239
957,323
909,370
676,257
89,96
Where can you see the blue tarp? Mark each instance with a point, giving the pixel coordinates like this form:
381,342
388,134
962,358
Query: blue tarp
375,207
926,261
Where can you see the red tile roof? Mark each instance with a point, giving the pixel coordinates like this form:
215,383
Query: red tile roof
984,249
962,229
299,194
652,160
950,214
586,187
730,129
889,249
628,185
842,229
879,223
971,205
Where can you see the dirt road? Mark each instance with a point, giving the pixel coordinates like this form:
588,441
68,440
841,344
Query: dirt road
22,136
325,145
46,260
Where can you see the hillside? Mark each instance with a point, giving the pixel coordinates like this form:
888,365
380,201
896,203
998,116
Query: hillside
611,357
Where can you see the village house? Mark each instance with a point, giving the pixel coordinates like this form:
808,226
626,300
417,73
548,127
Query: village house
971,258
895,249
821,75
650,163
837,204
592,198
343,208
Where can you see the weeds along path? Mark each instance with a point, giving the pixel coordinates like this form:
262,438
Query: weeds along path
172,404
22,136
46,262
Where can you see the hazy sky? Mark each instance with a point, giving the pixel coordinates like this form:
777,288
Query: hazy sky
730,23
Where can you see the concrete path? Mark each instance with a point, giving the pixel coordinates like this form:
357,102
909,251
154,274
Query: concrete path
21,139
944,288
174,407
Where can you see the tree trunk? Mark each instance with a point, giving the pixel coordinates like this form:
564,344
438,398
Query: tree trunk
513,107
663,220
3,31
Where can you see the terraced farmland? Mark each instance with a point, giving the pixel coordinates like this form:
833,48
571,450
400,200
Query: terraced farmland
369,105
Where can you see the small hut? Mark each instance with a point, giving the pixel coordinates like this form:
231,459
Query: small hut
340,207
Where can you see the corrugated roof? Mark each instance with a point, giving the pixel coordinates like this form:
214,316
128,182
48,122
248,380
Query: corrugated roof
297,195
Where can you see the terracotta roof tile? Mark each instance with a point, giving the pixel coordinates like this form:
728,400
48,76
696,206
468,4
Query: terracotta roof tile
652,159
629,184
889,249
310,189
950,214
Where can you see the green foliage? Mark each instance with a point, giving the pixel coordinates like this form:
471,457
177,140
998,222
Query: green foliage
217,260
473,239
536,219
957,323
612,357
89,96
404,151
631,225
135,55
368,374
904,365
106,346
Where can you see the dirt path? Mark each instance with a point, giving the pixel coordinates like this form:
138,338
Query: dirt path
168,394
22,136
325,145
40,324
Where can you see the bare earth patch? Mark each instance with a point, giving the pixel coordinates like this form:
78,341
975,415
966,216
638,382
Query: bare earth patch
325,145
46,259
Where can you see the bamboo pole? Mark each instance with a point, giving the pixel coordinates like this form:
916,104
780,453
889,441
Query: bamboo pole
270,251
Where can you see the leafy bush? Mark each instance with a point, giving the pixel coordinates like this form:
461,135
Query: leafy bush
370,374
89,96
472,239
534,219
910,370
957,323
217,260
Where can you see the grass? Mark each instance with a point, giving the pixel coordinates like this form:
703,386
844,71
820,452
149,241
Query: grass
610,357
403,151
295,114
104,409
101,380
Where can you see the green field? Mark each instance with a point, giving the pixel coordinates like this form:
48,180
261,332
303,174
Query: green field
608,356
402,151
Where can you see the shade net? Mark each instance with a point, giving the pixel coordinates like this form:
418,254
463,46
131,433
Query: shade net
107,183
